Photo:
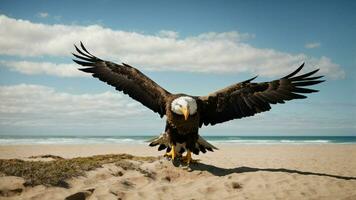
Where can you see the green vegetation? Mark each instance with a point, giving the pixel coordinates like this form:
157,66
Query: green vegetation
56,172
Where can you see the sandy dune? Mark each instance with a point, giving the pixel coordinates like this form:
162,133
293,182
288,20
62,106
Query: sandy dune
233,172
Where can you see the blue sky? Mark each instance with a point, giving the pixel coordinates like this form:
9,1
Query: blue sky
194,47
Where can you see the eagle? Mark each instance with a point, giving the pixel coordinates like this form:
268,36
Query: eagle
185,114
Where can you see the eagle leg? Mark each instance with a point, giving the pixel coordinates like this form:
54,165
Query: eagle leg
172,153
187,159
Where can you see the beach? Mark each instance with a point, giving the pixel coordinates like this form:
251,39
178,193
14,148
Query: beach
235,171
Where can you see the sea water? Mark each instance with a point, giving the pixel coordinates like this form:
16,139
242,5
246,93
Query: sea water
24,140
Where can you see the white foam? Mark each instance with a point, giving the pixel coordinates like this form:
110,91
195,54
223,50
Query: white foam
23,141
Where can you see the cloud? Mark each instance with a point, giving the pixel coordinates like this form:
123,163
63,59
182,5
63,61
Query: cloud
37,105
312,45
43,15
33,68
29,108
168,34
226,52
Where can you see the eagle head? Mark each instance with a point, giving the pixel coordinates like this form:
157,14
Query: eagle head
185,106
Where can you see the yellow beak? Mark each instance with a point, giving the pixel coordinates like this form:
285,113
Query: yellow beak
185,112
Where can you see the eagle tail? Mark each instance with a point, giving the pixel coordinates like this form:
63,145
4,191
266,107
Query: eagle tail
205,145
162,140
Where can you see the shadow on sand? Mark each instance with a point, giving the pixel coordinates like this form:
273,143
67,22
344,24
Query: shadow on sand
218,171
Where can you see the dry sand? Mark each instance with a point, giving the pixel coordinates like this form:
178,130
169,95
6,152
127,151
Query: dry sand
233,172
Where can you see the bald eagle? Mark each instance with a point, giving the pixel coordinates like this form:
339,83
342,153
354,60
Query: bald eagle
186,113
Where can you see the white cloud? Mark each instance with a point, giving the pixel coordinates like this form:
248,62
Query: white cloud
312,45
43,14
36,105
32,68
168,34
209,52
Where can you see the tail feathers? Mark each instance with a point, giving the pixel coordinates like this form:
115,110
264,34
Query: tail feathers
164,143
203,144
162,140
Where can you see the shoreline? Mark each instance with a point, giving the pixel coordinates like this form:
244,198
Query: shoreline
218,140
79,150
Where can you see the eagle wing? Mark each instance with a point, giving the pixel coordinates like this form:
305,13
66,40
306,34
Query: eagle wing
124,78
246,98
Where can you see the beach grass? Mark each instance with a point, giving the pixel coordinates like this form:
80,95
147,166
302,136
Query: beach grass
57,171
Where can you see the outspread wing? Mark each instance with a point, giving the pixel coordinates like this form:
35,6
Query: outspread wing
246,98
124,78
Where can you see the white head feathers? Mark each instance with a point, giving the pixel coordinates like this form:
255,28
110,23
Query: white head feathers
184,101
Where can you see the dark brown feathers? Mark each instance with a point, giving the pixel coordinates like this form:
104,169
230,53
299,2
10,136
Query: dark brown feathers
246,99
236,101
124,78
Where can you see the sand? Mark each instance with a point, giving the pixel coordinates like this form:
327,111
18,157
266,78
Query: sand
234,172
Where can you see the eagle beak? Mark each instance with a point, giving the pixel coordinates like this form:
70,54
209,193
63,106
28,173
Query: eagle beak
185,112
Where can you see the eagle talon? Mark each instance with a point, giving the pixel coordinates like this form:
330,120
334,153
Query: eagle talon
188,158
172,153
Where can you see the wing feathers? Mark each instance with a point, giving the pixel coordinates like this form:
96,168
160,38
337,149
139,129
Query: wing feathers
295,72
81,44
251,79
83,54
88,70
82,57
310,78
307,83
246,99
83,63
124,78
297,78
304,90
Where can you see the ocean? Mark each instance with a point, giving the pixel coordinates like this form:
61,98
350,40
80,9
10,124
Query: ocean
28,140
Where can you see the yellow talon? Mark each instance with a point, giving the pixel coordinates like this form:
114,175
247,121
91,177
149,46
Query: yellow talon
172,153
188,158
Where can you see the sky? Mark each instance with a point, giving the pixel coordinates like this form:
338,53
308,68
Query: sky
193,47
